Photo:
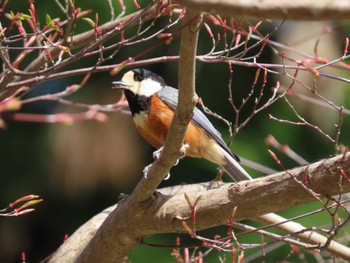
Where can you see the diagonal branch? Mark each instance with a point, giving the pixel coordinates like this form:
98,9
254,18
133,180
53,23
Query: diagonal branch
120,232
183,114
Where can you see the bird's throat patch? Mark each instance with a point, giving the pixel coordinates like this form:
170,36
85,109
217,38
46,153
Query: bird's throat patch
137,103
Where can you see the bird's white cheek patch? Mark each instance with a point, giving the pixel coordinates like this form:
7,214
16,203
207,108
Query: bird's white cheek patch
140,119
147,87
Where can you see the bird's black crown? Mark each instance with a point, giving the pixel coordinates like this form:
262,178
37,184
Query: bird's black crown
140,74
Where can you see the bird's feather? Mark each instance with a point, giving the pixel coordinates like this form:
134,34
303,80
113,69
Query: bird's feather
170,96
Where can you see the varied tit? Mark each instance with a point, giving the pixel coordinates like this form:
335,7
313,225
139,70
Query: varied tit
152,104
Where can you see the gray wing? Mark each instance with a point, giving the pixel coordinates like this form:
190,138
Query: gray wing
170,96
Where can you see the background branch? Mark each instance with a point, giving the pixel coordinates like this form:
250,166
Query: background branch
298,9
88,37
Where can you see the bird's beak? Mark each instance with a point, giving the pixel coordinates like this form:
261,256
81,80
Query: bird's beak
120,85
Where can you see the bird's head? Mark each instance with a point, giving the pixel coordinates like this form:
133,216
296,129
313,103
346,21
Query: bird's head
141,82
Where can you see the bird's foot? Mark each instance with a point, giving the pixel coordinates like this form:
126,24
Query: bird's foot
156,155
183,150
146,170
167,177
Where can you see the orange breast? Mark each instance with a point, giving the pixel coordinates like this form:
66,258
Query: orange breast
154,128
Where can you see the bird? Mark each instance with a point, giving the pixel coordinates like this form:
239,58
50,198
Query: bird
152,104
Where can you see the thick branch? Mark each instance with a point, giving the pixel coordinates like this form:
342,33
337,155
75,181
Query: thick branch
253,198
283,9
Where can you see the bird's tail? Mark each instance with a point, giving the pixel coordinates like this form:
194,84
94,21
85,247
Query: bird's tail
234,169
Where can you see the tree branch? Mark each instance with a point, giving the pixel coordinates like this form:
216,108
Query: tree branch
119,233
87,38
253,198
283,9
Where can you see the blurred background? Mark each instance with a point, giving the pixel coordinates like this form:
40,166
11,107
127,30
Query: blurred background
81,169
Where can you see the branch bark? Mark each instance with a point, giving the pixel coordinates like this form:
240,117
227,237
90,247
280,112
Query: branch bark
283,9
166,211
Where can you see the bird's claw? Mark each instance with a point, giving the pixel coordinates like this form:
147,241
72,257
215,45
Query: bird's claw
184,149
146,170
156,155
167,177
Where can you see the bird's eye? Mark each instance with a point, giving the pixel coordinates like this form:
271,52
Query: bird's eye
138,77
